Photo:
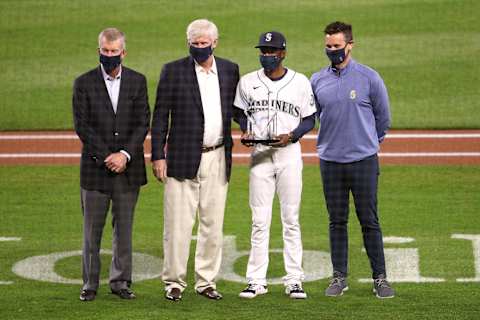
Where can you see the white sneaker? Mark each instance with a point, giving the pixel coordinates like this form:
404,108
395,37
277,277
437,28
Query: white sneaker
253,290
295,291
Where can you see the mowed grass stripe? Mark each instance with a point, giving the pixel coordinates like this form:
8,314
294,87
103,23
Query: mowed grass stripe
423,49
41,205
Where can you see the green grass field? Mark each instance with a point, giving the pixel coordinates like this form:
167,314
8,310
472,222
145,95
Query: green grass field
425,50
41,205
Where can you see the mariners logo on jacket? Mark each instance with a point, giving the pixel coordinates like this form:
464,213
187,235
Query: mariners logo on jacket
353,94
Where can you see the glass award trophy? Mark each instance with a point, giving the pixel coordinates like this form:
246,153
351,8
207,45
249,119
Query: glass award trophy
261,129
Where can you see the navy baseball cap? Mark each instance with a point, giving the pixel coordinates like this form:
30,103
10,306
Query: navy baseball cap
272,39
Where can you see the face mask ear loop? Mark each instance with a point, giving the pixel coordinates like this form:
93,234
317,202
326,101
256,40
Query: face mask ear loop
345,49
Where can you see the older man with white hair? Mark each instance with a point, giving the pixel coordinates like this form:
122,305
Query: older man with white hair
192,156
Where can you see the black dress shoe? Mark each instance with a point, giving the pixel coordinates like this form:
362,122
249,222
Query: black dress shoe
87,295
124,293
173,294
210,293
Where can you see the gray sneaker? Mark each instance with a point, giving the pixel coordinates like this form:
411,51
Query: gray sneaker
337,286
382,288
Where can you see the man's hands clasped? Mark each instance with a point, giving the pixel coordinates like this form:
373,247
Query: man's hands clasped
116,162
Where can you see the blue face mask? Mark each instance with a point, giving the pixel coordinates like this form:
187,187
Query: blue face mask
269,63
110,63
201,54
336,56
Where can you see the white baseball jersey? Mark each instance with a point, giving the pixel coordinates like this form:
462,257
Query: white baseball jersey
275,107
282,104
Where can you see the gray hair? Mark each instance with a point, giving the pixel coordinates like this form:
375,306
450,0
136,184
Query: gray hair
110,35
202,27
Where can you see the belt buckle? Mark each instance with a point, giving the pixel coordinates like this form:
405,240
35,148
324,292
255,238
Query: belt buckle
207,149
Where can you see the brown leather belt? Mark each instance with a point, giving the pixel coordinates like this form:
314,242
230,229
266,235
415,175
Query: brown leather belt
208,149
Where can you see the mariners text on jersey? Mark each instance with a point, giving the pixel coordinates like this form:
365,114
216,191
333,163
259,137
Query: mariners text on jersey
278,105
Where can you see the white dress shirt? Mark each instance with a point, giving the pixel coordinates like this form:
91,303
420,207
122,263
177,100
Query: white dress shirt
211,103
113,88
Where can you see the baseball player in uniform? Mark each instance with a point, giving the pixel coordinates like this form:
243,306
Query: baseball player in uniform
275,102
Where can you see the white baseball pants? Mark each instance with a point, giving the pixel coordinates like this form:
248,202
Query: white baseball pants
279,170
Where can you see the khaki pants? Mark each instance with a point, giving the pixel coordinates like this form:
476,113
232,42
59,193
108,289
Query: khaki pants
204,195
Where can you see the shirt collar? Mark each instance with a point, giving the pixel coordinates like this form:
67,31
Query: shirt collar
108,77
351,64
213,69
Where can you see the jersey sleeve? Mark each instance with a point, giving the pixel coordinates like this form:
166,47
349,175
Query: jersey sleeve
241,97
308,106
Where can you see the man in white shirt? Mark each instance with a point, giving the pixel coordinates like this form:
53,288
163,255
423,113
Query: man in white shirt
194,110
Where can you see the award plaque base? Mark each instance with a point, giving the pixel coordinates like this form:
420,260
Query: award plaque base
265,142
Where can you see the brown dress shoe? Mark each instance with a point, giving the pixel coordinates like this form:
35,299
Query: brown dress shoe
173,294
210,293
87,295
125,294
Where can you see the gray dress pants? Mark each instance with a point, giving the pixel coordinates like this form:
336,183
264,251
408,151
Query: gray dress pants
95,206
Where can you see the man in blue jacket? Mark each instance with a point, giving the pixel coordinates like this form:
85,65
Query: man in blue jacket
353,108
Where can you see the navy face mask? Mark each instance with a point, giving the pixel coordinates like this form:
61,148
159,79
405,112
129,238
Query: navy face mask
110,63
336,56
269,63
201,54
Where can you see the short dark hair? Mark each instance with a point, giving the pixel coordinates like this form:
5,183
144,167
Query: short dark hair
337,27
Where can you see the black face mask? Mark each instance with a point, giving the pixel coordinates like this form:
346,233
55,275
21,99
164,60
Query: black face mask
269,63
336,56
201,54
110,63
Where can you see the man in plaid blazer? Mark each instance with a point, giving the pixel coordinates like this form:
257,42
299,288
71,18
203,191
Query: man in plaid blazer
111,116
192,155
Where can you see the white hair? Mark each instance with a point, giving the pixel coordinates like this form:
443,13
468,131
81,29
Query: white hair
202,27
110,35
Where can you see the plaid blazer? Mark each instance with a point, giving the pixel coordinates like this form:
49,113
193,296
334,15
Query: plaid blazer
103,132
178,115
